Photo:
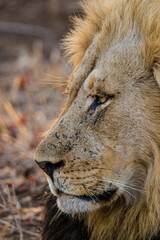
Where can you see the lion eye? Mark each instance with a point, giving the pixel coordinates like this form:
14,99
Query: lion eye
98,100
102,99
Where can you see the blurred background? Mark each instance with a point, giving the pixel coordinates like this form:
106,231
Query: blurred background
33,75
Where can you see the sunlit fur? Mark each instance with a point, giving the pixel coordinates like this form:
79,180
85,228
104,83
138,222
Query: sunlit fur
108,20
135,212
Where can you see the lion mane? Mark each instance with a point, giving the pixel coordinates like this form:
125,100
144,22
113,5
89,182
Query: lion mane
106,23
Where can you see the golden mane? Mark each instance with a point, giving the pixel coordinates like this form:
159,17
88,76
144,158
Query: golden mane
111,20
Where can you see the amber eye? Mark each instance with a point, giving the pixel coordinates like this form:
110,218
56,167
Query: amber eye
102,99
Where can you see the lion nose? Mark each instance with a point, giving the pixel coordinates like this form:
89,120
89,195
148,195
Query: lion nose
49,167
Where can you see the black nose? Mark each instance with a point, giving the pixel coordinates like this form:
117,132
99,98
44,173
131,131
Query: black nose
49,167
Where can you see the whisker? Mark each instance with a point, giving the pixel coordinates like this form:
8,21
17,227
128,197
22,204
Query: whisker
118,181
121,187
88,192
48,81
124,185
97,188
100,194
127,192
54,77
93,194
66,66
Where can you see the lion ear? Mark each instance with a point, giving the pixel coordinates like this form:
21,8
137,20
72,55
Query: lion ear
156,72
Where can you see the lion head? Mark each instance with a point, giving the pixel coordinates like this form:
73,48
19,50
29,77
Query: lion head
102,157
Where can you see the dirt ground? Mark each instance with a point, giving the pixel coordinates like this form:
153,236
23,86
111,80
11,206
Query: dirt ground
33,75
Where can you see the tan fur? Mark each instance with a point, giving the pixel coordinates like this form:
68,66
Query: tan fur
91,82
115,50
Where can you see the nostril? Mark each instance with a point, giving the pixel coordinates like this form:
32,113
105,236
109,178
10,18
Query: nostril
49,167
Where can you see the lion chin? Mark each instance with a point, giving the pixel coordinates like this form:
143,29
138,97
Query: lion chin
102,156
72,205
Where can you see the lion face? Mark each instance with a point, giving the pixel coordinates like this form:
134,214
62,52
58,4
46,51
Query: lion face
94,154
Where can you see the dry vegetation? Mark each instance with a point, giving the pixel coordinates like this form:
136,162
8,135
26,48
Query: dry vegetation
30,99
27,106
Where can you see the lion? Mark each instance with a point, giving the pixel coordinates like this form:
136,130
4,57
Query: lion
102,156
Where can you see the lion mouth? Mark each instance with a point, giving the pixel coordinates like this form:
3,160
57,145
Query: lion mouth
106,195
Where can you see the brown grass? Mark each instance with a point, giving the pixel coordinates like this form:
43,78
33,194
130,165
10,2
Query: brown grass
30,98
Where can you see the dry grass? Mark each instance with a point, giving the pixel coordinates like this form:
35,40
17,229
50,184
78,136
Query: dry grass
30,98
